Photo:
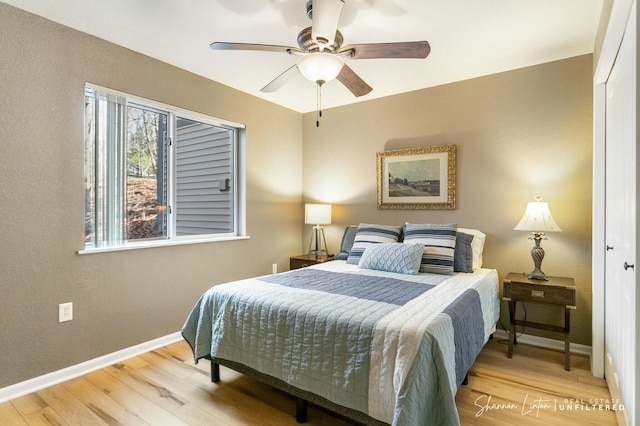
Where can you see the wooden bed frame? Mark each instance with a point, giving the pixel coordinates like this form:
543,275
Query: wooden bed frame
302,396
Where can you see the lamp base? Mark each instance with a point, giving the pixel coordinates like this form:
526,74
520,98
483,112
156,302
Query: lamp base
318,233
537,274
537,254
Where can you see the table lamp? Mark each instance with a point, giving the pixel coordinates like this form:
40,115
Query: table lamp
317,214
537,219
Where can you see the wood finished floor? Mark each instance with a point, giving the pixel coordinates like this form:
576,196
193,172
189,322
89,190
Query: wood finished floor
165,387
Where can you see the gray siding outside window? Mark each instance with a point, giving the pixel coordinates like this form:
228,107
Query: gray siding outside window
204,164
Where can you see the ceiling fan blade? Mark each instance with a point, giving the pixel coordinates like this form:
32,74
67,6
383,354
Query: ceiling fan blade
324,20
409,49
353,82
281,80
221,45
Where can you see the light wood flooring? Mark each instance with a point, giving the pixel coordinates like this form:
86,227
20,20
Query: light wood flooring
165,387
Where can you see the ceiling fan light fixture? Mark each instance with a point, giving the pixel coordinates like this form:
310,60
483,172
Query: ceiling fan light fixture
320,67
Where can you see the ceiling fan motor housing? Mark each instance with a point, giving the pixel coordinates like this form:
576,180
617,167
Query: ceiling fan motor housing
309,45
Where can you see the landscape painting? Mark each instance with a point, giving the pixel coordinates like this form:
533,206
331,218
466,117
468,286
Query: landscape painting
417,178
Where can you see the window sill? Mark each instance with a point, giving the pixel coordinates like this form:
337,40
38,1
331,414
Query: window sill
163,243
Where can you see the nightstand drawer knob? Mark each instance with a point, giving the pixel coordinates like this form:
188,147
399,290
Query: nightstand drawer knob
609,248
537,293
627,266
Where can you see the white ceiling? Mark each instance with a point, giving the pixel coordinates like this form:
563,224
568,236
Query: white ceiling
469,38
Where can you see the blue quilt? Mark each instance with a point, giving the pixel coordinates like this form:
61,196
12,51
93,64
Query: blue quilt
392,346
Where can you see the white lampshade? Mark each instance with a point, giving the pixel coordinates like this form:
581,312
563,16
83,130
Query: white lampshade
537,218
317,214
320,67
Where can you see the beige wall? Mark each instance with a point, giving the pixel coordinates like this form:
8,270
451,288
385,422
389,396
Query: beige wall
121,298
519,134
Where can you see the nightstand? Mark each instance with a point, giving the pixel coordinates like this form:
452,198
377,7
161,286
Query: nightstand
304,260
558,291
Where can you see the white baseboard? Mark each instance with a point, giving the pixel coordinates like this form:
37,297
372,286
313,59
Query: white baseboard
544,342
57,377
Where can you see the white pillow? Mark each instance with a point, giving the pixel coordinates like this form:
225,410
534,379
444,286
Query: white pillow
477,245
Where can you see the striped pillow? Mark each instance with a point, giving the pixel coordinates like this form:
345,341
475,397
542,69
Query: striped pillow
370,234
439,245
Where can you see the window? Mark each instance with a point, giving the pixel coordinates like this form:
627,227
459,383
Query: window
157,174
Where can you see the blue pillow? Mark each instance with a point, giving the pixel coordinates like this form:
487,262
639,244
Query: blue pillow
347,242
370,234
463,256
439,245
393,257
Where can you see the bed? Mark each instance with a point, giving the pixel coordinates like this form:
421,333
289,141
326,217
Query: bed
386,344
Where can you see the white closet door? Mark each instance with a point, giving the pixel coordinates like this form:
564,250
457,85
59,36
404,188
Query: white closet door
620,288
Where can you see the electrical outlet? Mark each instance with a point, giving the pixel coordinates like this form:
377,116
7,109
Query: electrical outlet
274,268
65,312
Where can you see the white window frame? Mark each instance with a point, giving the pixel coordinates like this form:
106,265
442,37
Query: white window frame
238,177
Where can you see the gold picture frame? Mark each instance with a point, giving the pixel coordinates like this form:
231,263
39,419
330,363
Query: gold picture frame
417,178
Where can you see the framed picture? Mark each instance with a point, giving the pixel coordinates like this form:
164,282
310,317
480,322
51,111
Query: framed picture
417,178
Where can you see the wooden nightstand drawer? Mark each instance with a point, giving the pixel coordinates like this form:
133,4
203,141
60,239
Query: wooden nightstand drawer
556,291
304,260
542,293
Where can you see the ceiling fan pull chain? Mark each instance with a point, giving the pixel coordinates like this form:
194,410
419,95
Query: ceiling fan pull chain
318,104
320,96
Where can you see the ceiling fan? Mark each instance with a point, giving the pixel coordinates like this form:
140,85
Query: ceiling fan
322,54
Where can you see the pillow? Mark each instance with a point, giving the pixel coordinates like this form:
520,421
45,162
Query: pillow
477,245
370,234
463,255
347,242
393,257
439,245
